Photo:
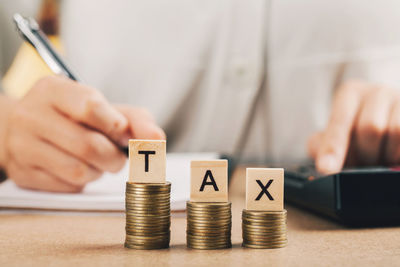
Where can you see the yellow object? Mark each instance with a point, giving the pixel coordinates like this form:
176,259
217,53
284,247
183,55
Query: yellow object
26,69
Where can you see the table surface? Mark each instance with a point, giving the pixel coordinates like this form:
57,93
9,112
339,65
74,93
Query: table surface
65,240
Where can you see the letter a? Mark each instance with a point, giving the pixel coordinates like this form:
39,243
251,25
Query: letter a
212,181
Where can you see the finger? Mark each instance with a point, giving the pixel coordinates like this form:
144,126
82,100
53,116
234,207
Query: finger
37,179
392,149
351,158
56,162
335,142
87,145
372,125
141,123
314,143
85,105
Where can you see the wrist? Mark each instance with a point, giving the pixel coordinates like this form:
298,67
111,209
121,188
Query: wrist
6,105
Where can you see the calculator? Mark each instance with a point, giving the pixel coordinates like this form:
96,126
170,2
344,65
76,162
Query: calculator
360,197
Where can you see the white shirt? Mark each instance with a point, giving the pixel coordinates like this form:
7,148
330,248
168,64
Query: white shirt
201,66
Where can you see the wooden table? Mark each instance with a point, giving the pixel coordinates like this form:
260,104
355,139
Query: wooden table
71,240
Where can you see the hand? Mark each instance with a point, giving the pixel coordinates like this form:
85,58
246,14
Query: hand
62,135
141,123
364,129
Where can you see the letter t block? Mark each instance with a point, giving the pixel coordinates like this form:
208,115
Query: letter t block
264,189
147,161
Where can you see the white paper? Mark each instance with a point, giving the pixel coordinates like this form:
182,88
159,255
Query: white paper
106,193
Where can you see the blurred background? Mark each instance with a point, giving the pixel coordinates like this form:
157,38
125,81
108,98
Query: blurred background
227,76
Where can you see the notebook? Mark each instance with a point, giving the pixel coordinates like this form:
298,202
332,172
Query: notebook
106,193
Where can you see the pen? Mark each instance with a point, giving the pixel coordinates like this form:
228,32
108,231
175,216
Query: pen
30,31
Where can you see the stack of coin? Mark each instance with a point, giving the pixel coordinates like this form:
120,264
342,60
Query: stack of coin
147,215
264,229
209,225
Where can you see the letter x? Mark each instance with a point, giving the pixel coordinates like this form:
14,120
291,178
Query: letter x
264,190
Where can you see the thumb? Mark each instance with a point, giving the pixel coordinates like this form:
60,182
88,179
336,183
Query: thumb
141,124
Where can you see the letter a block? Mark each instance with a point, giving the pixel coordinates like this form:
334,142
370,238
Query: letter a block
147,161
264,189
209,181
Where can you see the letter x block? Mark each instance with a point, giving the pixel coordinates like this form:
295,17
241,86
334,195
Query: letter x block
264,189
147,161
209,181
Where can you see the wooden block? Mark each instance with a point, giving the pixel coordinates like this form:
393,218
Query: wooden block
209,181
264,189
147,161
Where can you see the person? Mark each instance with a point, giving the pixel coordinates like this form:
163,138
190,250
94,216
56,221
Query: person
251,79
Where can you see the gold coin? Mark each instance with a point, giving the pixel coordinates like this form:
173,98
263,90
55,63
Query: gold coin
132,209
210,239
210,216
144,225
141,232
264,233
146,240
147,190
148,207
143,247
208,247
261,228
208,221
155,230
149,185
146,210
263,221
148,197
264,214
209,231
209,211
138,208
148,244
207,204
147,222
141,215
148,226
148,202
264,230
146,234
198,236
208,224
148,213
